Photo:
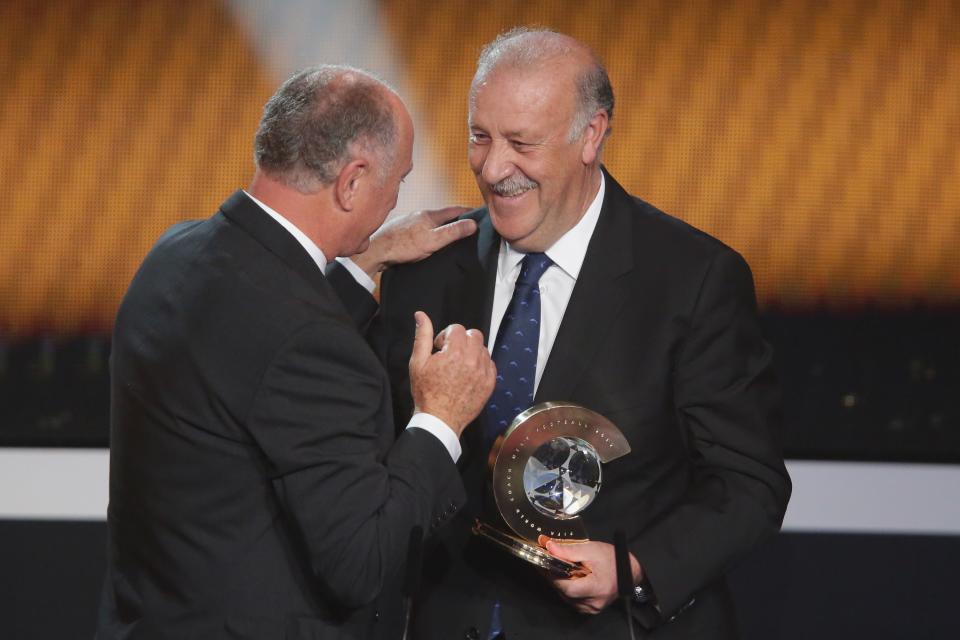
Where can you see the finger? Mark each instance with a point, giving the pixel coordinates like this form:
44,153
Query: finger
452,336
446,214
441,339
490,377
475,335
449,233
422,340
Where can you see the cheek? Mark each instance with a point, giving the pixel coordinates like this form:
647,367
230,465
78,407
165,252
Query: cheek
476,156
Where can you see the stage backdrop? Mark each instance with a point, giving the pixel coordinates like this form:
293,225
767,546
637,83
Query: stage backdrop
817,138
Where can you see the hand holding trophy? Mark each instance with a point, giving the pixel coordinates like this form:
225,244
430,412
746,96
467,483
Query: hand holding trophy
545,471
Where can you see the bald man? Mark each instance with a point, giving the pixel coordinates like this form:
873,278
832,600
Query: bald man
257,488
640,317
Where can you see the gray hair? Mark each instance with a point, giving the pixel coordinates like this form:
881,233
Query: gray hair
316,121
525,48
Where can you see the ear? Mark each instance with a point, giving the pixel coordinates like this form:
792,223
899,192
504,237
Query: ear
348,184
593,136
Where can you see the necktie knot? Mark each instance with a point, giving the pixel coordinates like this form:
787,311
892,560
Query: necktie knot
533,266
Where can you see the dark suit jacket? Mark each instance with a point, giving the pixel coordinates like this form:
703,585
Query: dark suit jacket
256,487
660,336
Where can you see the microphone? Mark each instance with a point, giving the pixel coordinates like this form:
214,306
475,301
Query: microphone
411,579
624,576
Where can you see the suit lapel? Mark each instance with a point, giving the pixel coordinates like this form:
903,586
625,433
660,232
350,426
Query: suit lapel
597,297
479,268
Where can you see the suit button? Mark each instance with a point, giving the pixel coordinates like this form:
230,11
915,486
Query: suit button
472,634
376,616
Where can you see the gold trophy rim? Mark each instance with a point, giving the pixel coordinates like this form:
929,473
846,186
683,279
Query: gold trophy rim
534,554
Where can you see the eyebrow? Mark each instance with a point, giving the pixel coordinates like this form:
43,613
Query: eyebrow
506,134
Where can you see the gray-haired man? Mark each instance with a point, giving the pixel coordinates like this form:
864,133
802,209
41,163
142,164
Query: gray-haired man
257,489
641,318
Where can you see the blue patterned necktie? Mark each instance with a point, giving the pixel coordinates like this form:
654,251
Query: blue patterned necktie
515,350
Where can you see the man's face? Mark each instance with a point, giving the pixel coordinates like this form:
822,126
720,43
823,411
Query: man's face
534,182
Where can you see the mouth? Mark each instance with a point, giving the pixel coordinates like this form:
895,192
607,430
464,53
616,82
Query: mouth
511,196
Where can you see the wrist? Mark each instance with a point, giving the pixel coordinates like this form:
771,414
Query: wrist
443,417
369,263
636,570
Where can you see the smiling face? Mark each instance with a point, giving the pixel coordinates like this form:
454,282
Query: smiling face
536,183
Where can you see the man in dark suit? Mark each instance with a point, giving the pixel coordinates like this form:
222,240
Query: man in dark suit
257,486
643,319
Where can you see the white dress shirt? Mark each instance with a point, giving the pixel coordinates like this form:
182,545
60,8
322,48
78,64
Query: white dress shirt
425,421
556,283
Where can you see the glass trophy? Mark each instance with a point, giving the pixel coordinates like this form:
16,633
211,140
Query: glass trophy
545,471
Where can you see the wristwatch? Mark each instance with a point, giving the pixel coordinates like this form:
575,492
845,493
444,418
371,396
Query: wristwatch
642,593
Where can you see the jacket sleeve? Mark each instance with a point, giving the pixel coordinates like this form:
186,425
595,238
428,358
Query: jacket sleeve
321,415
728,401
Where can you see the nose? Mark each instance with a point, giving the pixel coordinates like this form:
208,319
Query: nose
498,162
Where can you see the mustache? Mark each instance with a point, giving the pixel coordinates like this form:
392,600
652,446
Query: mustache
514,185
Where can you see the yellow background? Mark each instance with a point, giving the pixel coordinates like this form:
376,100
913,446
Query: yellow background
820,139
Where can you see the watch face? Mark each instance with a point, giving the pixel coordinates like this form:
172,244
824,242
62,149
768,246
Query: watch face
640,595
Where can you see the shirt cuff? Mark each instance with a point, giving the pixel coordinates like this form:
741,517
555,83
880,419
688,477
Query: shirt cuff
358,274
438,428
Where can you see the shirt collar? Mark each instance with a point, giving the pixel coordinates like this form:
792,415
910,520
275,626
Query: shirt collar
569,251
308,244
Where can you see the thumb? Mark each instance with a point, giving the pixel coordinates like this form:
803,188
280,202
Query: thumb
557,549
422,340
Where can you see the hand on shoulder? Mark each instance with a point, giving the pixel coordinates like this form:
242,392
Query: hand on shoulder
413,237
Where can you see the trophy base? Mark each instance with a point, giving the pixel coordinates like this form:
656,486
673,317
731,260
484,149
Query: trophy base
533,554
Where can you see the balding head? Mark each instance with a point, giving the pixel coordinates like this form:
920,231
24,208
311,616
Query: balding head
533,50
319,119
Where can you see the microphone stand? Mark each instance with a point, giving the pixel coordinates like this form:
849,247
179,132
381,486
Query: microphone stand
411,582
624,576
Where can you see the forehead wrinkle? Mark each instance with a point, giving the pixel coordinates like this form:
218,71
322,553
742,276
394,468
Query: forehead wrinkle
535,123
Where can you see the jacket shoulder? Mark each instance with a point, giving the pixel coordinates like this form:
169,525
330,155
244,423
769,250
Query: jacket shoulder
674,229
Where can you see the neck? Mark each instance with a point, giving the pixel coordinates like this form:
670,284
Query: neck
590,186
306,211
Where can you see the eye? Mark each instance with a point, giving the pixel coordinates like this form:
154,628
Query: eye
520,145
479,138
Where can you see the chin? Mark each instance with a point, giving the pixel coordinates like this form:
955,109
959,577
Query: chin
513,226
363,246
518,238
